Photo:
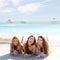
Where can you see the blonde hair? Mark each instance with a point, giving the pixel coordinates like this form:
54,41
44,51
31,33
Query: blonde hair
12,45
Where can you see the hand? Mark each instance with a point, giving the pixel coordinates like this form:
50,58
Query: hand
22,39
26,55
38,56
43,55
13,53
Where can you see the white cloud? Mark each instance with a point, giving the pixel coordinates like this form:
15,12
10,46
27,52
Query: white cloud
3,3
16,2
29,8
6,10
46,1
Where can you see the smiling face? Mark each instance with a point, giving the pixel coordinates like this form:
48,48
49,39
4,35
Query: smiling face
15,41
30,41
40,41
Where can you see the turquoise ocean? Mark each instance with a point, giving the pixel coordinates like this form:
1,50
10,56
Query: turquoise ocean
52,31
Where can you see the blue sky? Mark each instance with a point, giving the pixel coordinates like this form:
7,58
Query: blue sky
29,10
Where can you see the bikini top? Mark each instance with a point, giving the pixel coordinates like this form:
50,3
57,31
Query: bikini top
29,51
40,51
15,48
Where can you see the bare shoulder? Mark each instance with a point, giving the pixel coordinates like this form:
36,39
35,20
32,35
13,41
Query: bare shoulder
34,46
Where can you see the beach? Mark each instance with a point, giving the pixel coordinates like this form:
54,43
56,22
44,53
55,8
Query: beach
5,54
7,31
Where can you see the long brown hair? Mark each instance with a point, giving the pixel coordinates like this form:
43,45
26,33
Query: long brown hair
45,45
26,44
12,45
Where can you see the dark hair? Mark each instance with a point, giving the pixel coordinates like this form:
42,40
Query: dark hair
45,45
26,45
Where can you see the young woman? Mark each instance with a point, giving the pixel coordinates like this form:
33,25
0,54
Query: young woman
42,47
15,46
30,46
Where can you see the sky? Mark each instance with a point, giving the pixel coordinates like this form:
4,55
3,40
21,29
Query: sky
29,10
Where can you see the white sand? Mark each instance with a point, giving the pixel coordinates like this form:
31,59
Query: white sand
5,48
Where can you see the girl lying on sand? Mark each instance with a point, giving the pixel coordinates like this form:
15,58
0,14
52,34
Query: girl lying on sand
30,46
42,47
15,46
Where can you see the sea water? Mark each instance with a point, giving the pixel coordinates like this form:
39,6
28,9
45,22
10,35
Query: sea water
52,31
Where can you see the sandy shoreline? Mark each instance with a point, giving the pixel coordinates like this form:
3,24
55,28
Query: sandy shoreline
5,54
5,48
